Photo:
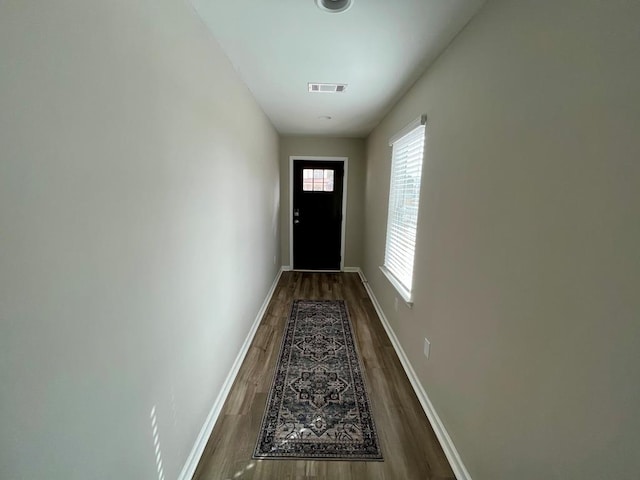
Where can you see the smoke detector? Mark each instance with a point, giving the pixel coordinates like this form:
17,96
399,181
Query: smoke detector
327,87
334,6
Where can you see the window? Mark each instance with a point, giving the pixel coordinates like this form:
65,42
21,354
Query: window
317,180
404,196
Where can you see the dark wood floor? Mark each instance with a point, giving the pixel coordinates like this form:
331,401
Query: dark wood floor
409,446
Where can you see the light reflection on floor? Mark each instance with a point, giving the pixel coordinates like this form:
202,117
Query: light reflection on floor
240,473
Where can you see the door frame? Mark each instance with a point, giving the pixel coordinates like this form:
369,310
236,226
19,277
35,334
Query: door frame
345,161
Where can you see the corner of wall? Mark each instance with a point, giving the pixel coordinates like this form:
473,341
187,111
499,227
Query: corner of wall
443,436
203,437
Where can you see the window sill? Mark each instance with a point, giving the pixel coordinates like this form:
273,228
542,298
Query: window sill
404,293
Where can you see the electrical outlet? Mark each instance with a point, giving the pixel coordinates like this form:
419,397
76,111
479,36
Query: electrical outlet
395,304
427,348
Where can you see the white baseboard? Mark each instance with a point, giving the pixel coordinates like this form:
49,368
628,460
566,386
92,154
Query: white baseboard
194,457
449,448
351,269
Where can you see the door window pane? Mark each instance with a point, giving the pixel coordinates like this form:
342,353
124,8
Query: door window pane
328,180
317,180
307,180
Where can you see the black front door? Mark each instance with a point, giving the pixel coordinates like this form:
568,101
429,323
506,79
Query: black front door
317,214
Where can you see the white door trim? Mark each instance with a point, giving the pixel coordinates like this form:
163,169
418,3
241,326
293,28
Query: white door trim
345,161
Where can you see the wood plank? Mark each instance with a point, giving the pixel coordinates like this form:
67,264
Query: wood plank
409,445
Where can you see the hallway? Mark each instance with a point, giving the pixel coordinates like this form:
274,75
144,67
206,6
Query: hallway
409,446
147,212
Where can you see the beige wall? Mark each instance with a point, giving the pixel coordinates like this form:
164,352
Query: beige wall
138,228
354,149
527,274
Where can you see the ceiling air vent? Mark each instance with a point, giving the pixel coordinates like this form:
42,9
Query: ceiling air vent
327,87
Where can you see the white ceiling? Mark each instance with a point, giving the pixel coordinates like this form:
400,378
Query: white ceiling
378,47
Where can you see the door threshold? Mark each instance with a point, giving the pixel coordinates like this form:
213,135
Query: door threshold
315,271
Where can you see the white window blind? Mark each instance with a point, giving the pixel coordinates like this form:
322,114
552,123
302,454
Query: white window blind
404,196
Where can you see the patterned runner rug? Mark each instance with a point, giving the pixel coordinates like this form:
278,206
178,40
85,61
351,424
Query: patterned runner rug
318,405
